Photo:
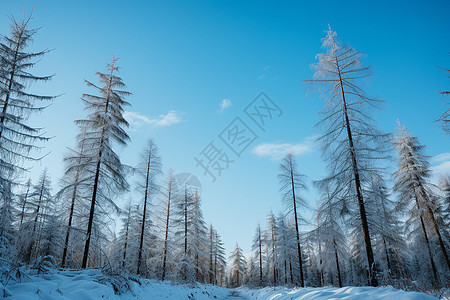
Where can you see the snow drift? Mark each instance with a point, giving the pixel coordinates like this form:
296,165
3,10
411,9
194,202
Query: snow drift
347,293
92,284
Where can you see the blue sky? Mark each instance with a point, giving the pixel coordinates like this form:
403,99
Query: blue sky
182,59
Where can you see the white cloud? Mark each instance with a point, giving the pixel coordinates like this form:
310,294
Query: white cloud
277,151
442,168
442,157
164,120
224,104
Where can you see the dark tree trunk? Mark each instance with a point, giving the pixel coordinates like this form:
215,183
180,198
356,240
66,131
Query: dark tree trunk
300,263
436,230
260,256
91,214
321,266
290,270
144,213
167,231
32,244
338,269
388,260
185,221
69,225
96,180
362,211
23,207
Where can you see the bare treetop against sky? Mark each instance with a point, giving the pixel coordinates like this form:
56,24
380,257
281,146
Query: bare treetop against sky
193,69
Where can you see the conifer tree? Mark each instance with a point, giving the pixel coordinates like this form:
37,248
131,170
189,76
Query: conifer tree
148,170
168,204
74,186
17,138
351,142
271,242
258,241
237,268
103,127
416,194
291,182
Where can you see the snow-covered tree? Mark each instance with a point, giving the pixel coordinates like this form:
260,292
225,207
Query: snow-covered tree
183,222
351,142
417,196
286,248
199,231
17,138
7,232
237,267
35,220
167,204
103,127
191,235
386,227
330,238
148,170
219,260
74,186
258,241
445,201
291,183
271,238
23,199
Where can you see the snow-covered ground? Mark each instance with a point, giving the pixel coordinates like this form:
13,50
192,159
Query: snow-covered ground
347,293
92,284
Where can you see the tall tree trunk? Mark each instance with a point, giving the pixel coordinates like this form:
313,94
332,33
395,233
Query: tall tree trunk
91,214
435,227
167,231
273,257
144,213
320,264
424,231
197,238
260,255
185,221
388,260
362,211
300,263
211,249
285,272
23,207
32,244
69,225
290,270
215,264
96,179
338,269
